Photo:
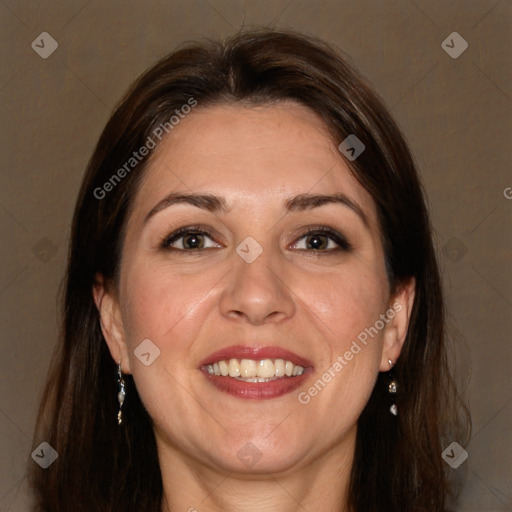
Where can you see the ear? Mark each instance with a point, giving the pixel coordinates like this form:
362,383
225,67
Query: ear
398,315
111,323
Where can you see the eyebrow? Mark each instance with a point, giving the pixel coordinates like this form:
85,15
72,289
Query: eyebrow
300,202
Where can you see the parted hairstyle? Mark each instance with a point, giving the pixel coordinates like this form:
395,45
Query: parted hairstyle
102,467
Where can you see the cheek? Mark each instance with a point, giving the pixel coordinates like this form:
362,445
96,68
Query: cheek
168,309
165,307
345,303
347,306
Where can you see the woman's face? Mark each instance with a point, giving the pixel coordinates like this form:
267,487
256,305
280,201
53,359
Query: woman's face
255,279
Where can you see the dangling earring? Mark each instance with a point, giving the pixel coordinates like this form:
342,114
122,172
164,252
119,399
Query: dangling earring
392,389
121,393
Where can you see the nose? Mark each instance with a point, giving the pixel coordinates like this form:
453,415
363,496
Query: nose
257,292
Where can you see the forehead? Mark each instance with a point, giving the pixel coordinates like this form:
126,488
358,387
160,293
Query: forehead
250,154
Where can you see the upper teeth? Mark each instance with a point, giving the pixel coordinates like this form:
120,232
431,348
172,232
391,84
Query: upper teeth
250,369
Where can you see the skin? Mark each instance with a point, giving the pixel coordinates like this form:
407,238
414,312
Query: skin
312,302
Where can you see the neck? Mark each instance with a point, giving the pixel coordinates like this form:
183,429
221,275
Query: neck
322,484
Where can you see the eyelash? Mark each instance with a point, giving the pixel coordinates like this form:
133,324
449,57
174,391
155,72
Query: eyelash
339,239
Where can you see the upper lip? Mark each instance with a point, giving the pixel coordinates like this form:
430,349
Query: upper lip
256,353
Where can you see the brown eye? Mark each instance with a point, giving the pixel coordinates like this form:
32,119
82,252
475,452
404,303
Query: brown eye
187,239
323,239
193,241
317,241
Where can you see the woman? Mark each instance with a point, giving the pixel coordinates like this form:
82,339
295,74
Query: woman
253,315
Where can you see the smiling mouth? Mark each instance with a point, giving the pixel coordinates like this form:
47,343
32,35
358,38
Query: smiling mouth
251,370
256,372
256,379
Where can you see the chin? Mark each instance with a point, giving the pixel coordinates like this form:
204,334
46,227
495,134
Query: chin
258,456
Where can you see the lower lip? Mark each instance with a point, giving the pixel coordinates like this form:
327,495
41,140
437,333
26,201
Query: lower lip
258,390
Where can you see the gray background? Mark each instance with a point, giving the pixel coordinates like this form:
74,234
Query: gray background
456,114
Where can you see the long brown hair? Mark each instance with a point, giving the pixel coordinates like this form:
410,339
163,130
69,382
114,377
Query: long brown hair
102,467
